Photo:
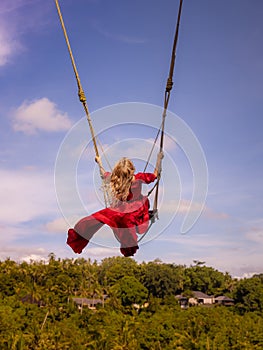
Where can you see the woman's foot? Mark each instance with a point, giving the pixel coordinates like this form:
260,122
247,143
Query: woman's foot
129,251
75,241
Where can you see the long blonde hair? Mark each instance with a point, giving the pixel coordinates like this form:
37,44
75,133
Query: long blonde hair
121,179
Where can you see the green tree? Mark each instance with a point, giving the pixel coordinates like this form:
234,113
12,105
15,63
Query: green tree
130,291
159,280
205,279
113,269
248,294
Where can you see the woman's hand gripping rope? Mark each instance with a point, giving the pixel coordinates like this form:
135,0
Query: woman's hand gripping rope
99,162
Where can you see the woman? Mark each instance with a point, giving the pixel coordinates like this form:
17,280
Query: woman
128,213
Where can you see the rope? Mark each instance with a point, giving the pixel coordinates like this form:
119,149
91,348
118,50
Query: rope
81,92
169,86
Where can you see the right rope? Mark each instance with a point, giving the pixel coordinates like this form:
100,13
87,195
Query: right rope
153,214
169,86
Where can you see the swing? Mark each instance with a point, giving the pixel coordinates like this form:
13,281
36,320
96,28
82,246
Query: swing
153,214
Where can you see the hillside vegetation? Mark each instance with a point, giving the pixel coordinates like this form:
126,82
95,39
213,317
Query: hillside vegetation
37,310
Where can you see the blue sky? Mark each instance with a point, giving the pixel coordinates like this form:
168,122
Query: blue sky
122,50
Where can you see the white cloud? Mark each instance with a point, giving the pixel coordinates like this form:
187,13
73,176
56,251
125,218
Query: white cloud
211,214
22,252
255,234
101,252
9,232
184,206
40,114
187,205
247,275
117,37
14,23
223,252
12,5
8,45
33,257
26,195
60,225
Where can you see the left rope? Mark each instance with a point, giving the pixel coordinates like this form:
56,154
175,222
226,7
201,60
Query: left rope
81,93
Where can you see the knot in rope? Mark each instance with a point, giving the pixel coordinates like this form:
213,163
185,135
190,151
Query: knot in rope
82,96
169,84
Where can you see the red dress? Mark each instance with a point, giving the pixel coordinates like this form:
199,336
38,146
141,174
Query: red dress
126,220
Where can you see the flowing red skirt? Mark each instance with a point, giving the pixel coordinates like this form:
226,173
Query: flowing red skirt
125,221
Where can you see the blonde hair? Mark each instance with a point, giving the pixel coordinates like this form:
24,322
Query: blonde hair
121,179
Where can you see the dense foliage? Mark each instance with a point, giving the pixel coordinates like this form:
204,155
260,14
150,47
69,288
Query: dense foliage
37,311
